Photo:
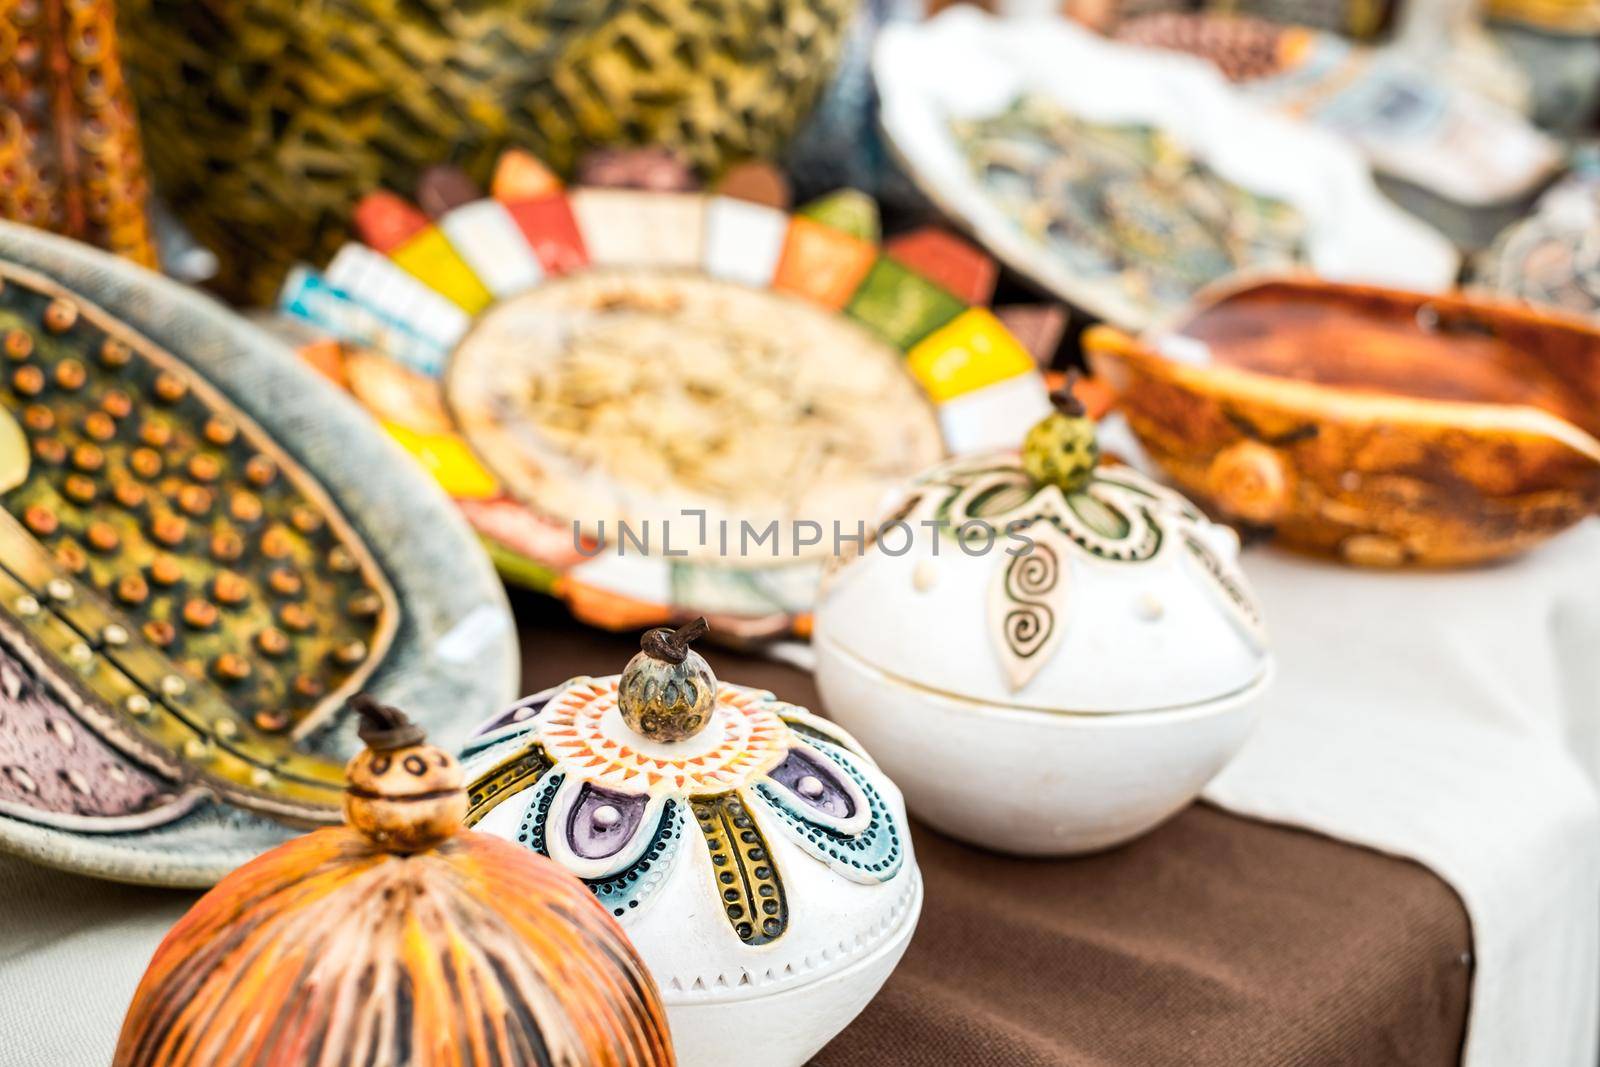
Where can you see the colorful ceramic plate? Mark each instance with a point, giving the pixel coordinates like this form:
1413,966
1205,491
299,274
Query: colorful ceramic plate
203,552
664,403
1409,123
1123,179
1380,426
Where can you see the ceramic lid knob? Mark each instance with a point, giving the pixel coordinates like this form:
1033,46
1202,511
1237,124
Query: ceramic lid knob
1061,449
668,691
404,794
1080,575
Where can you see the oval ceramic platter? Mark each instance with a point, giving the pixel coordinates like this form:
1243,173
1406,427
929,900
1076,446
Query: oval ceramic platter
1123,180
647,402
204,551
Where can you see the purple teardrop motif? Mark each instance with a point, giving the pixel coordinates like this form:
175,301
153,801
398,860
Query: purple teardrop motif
833,800
595,842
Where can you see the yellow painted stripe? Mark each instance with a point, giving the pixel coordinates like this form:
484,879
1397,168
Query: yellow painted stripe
433,260
449,460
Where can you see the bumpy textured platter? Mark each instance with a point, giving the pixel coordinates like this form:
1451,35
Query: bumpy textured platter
964,67
203,551
880,335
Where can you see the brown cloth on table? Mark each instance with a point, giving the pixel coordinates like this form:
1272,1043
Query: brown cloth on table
1214,940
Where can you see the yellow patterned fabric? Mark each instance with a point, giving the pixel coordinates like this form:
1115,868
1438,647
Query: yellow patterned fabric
267,119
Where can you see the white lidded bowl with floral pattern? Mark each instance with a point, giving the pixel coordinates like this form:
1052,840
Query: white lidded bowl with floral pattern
1048,659
761,865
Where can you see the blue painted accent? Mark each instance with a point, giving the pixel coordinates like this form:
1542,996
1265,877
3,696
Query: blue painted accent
876,853
626,891
532,832
309,296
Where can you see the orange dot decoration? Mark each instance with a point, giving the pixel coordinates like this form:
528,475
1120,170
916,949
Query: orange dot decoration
399,940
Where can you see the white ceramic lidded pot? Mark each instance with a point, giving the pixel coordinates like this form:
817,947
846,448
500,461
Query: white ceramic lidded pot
1063,687
756,857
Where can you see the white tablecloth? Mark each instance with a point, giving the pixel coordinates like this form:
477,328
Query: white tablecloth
1453,718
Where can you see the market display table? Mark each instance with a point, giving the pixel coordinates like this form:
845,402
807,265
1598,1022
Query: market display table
1216,939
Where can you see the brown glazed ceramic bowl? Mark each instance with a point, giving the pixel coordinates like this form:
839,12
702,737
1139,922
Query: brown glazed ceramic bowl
1383,427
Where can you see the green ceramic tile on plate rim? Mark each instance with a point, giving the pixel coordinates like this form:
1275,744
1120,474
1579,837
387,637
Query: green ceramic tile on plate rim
849,211
900,305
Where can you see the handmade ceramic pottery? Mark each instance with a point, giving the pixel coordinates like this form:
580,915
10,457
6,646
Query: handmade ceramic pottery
400,939
1094,194
1379,426
668,401
1241,47
1551,257
1407,122
1452,44
266,120
203,551
69,142
1123,179
1569,17
1360,19
760,864
1050,655
1563,77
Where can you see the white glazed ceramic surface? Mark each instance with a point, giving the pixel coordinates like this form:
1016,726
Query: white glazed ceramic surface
1063,691
1028,782
793,1022
964,64
850,888
1158,618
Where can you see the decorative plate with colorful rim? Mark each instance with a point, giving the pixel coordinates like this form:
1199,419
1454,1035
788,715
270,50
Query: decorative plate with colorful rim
663,403
1123,180
203,552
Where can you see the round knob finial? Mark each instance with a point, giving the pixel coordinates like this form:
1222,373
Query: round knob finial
667,691
404,794
1061,448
